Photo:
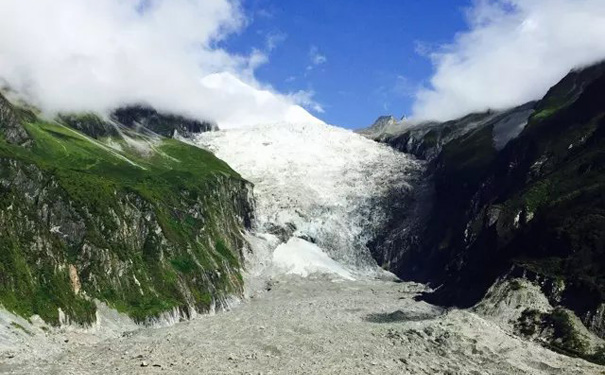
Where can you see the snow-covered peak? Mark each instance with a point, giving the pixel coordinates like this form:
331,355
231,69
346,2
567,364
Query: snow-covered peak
320,183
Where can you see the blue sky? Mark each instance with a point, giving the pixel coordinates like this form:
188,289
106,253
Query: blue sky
361,58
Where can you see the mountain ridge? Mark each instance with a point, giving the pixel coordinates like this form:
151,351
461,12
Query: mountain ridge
533,208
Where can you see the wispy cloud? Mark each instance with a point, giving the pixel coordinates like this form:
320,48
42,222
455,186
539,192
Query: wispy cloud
274,39
265,13
403,87
425,49
514,51
305,99
316,58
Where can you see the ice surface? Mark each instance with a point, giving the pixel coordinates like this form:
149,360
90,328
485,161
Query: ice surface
299,257
324,184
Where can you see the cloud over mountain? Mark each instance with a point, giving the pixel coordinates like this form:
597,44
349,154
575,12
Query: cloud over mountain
94,55
512,53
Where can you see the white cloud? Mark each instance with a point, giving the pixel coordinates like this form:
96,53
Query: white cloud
515,50
316,57
274,39
305,99
94,55
253,106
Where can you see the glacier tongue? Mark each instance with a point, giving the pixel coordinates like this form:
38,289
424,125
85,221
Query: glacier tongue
300,257
319,183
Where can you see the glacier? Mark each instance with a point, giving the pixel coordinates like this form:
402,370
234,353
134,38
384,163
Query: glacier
318,188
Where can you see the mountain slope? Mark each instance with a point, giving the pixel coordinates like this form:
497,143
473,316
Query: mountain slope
534,208
426,139
147,224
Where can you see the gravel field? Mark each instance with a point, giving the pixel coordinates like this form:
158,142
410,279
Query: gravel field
305,326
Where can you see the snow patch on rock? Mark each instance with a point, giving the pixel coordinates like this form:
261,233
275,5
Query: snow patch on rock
299,257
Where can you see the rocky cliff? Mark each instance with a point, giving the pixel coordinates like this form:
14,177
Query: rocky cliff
94,209
518,193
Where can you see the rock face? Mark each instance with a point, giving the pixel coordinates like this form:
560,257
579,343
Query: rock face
167,125
139,119
383,126
10,124
426,139
149,226
521,189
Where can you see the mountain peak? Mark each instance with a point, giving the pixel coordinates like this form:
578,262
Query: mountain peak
383,125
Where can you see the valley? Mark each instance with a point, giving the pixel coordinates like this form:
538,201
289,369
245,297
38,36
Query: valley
316,325
158,244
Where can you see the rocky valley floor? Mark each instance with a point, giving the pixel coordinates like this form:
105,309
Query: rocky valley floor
320,192
305,326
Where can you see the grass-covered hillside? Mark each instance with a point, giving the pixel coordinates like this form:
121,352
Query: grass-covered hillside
144,223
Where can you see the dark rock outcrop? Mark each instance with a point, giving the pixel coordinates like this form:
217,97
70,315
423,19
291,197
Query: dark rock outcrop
506,195
90,124
10,123
425,140
165,124
141,120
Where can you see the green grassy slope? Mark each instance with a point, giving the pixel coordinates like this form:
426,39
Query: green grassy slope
149,224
